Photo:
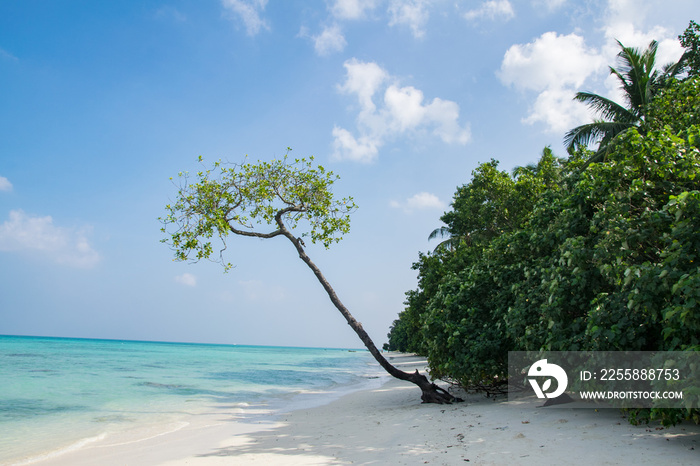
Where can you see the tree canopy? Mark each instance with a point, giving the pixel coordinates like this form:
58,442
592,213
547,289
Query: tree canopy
262,200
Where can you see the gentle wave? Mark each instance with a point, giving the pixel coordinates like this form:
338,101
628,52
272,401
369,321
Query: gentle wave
62,451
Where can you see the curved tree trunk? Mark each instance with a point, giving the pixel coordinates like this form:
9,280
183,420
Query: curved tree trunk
431,393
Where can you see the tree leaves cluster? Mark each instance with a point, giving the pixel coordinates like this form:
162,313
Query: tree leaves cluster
567,255
238,198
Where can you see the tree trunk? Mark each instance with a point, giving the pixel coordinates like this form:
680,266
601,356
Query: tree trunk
431,393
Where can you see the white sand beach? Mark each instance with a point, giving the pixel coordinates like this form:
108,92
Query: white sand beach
389,425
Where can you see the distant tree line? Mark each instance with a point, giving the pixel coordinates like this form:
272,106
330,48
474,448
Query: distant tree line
595,251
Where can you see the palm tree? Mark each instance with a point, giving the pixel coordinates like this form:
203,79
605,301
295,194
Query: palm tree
640,82
449,244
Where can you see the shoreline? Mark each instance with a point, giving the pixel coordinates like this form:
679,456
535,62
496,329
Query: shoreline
387,424
127,446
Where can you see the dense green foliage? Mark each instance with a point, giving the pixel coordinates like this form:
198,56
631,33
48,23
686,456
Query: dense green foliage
569,256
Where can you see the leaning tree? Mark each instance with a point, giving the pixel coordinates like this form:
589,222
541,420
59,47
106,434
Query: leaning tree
270,200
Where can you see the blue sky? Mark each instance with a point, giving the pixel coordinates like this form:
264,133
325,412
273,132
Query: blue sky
102,102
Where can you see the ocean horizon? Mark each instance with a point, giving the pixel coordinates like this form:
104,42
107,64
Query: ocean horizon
59,394
168,342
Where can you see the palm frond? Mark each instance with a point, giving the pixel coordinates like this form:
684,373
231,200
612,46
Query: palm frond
607,109
584,135
637,75
672,70
597,132
442,232
449,244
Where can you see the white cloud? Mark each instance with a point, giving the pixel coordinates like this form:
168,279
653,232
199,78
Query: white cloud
363,79
445,114
619,12
67,246
363,149
330,40
399,111
405,105
352,9
555,66
413,13
5,184
420,201
556,108
550,60
186,279
249,12
670,51
492,9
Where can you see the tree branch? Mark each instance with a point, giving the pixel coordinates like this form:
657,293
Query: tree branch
279,214
254,234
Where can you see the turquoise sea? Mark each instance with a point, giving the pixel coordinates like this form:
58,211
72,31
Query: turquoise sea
57,394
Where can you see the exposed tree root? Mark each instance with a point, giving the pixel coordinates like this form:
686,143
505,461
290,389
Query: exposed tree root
431,392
